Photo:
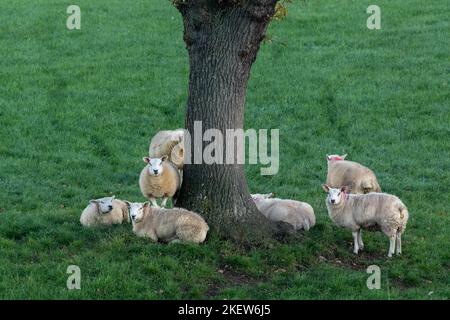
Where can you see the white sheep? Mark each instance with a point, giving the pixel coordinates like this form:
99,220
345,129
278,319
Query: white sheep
170,143
373,211
357,177
177,155
104,211
298,214
168,225
160,178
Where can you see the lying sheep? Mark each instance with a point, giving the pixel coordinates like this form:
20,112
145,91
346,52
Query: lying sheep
170,143
348,173
159,179
298,214
168,225
375,211
104,211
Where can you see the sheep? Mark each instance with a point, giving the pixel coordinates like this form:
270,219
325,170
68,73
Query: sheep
298,214
170,143
358,178
168,225
104,211
372,211
177,155
160,178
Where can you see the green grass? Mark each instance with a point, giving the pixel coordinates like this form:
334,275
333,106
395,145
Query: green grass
77,109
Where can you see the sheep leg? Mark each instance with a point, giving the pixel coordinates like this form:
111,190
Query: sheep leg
152,236
360,242
391,245
154,203
398,243
163,203
306,225
355,241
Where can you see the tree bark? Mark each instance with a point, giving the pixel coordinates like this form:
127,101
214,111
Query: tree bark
222,39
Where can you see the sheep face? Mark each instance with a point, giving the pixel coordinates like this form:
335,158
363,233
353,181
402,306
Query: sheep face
136,210
335,195
178,151
155,165
336,157
105,205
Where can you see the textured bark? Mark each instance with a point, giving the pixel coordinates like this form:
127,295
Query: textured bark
222,39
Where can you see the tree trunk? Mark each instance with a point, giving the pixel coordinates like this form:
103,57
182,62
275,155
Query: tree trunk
222,39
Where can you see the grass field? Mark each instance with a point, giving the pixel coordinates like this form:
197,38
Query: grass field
77,109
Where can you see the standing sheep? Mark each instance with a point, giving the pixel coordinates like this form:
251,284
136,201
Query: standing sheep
298,214
358,178
104,211
177,155
159,179
368,211
170,143
168,225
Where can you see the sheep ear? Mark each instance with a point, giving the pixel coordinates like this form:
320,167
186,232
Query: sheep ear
345,189
325,188
328,157
93,201
344,156
145,205
113,197
146,159
271,195
164,157
127,203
